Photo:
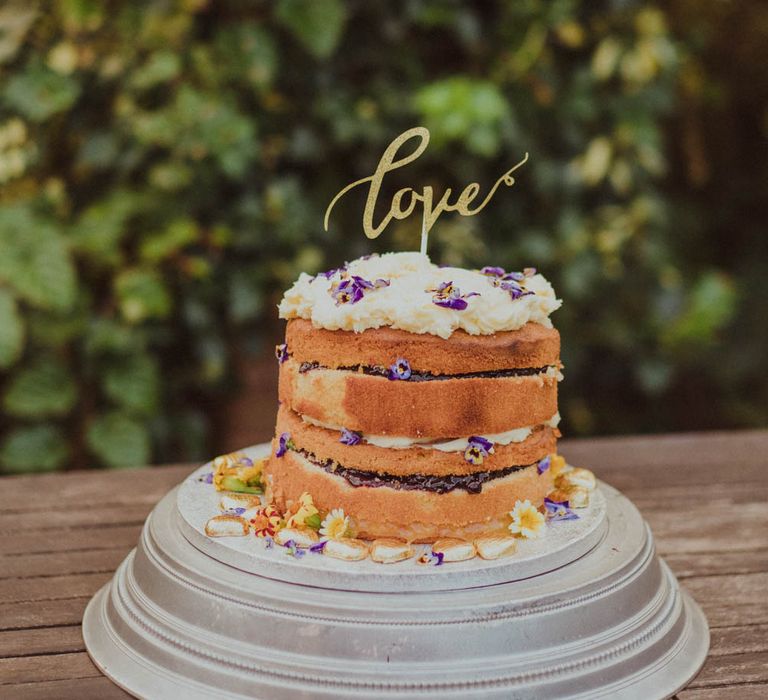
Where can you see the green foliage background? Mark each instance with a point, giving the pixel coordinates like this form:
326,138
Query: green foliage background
164,168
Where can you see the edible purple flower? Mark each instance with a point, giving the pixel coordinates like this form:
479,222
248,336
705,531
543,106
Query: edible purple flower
544,464
350,437
510,281
328,274
281,352
234,511
478,448
352,289
269,543
318,547
450,297
432,558
400,370
558,510
293,549
206,478
283,444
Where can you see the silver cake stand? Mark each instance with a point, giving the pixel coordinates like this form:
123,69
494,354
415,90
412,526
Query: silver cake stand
589,611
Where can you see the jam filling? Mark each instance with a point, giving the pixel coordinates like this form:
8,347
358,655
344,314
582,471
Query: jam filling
472,483
416,376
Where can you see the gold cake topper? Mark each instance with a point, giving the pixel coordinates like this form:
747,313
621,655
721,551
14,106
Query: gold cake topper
398,208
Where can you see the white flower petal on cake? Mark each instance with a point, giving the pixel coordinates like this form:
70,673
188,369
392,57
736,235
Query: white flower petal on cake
578,477
495,546
238,500
454,549
347,549
226,526
390,550
301,537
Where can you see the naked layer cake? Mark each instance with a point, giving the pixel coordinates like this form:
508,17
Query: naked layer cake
420,400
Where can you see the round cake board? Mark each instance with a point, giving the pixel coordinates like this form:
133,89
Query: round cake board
201,618
565,541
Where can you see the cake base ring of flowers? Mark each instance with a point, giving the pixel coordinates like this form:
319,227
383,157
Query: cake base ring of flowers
175,621
200,509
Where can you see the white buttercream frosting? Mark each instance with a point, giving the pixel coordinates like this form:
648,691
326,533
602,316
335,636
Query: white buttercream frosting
455,445
408,304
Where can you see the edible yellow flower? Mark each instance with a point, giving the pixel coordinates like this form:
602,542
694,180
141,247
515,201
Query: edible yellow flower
557,465
335,525
526,520
300,510
238,465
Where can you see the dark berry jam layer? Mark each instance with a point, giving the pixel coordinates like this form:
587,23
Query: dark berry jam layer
472,483
417,376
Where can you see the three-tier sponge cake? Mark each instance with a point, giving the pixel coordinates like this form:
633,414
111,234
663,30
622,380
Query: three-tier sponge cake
421,400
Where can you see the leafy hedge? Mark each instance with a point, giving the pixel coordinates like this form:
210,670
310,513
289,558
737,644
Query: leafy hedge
164,167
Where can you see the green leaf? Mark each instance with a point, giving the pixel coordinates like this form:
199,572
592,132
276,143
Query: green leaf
246,298
38,93
35,260
317,24
34,449
464,109
104,335
101,226
119,440
11,329
133,383
45,389
174,238
161,67
142,294
710,305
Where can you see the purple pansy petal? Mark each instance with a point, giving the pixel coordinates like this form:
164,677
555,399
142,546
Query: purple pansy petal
450,303
516,276
559,510
481,442
269,543
400,370
379,283
437,558
544,464
349,437
207,478
493,271
318,547
234,511
281,352
474,455
282,444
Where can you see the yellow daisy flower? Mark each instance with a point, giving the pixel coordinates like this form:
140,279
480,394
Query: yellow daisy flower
300,510
335,525
526,520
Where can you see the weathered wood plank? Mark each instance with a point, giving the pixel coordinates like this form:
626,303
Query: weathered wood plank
739,640
85,539
130,486
45,613
34,669
45,640
100,688
732,669
674,457
51,588
728,563
60,563
56,519
742,691
731,601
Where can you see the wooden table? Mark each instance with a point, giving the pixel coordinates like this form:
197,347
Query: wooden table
705,496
